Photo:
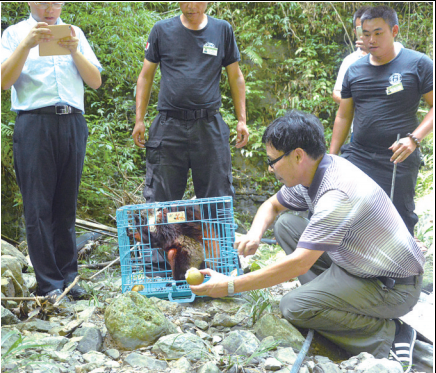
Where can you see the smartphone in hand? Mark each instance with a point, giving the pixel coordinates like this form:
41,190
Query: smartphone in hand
359,32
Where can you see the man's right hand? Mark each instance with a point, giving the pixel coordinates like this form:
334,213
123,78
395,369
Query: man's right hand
247,245
139,133
359,44
39,34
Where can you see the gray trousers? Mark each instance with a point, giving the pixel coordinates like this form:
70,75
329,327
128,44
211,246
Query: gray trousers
354,313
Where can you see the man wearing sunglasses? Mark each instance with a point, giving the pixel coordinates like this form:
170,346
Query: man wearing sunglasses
359,265
49,139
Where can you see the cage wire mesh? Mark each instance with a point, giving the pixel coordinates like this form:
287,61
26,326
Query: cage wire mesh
144,262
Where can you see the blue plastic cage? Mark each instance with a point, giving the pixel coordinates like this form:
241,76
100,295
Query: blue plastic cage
143,264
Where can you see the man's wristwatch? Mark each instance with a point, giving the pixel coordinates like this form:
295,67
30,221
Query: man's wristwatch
231,287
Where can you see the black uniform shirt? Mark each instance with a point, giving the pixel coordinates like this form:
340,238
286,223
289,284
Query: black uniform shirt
191,62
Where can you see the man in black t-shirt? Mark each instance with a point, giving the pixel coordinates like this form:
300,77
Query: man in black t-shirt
383,90
189,131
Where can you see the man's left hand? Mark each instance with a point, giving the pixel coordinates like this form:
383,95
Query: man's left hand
242,134
402,149
70,42
216,287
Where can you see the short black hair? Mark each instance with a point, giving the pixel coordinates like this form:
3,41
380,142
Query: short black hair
359,13
387,14
296,130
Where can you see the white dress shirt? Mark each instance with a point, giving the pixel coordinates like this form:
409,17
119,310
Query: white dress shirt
46,81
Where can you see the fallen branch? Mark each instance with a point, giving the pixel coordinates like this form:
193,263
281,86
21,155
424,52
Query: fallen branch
95,266
59,298
109,265
36,299
102,227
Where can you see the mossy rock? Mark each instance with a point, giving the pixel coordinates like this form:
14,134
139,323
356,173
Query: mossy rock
134,321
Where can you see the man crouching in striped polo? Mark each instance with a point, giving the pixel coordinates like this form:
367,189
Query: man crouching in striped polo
360,268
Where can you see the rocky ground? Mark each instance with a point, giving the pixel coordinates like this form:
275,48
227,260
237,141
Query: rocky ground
114,332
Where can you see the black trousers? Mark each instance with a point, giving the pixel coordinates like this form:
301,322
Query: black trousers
175,146
379,167
49,152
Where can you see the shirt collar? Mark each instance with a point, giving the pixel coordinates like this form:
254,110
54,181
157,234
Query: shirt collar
319,175
32,21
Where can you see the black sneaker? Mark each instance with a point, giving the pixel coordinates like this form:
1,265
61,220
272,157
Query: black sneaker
402,348
77,292
51,296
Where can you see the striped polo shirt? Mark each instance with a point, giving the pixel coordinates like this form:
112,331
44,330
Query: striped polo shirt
354,221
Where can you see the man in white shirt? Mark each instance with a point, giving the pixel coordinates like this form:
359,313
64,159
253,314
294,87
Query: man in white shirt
351,58
49,139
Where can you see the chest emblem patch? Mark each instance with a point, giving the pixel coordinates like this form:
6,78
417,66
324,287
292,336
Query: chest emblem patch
395,78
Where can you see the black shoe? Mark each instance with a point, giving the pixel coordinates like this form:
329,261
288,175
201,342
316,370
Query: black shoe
53,295
77,292
402,348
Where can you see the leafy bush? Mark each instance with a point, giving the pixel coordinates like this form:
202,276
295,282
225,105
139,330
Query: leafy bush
291,53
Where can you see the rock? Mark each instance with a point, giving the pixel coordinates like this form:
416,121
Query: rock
168,308
30,281
70,346
268,343
38,326
8,318
59,356
175,346
218,350
133,321
216,339
209,367
49,343
286,355
91,341
322,360
272,364
181,366
8,249
67,329
228,306
203,325
8,288
241,342
141,361
86,313
280,329
113,354
378,366
203,335
98,359
326,368
11,268
10,367
222,319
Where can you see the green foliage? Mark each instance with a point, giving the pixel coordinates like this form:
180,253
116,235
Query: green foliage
22,344
258,302
291,53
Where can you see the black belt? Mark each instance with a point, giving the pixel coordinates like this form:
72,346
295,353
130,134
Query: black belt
390,282
58,109
190,114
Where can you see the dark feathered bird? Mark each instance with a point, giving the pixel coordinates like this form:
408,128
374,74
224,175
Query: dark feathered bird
184,243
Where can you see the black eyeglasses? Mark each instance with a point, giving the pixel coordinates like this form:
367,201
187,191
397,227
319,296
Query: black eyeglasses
271,163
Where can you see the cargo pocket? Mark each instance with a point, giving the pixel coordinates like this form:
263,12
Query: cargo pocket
148,192
153,151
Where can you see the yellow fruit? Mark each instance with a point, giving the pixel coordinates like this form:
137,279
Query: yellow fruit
138,288
194,276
